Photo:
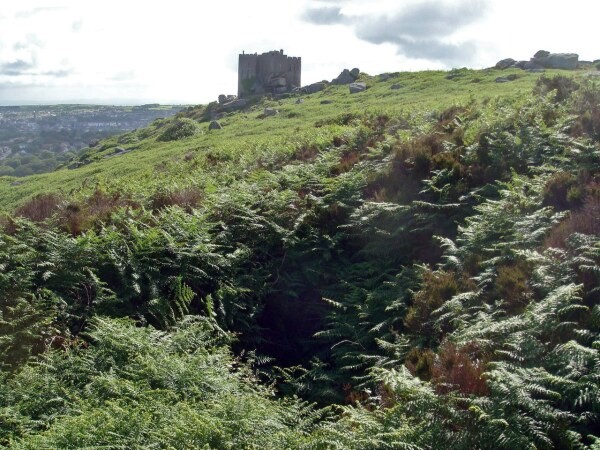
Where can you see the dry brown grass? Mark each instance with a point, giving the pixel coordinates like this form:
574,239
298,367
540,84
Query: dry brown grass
187,198
585,220
40,207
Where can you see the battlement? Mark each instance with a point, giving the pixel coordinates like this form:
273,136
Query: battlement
270,72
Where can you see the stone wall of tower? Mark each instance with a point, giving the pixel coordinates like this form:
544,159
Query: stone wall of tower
271,72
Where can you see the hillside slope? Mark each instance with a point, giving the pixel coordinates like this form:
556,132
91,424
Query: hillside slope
247,138
399,268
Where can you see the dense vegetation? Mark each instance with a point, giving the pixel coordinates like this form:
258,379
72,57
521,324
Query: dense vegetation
409,270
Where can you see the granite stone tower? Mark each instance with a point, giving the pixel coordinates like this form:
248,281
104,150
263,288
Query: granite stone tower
271,72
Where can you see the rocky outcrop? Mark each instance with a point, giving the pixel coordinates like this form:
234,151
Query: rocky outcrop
505,63
346,77
567,61
315,87
357,87
542,59
223,99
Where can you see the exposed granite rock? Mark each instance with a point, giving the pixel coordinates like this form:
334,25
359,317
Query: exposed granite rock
234,105
346,77
545,59
357,87
315,87
505,63
214,125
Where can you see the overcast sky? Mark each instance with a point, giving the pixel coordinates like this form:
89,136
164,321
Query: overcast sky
186,51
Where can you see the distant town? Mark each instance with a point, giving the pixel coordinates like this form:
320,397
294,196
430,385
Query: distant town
35,139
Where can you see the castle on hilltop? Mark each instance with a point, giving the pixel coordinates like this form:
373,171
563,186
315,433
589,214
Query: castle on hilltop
272,72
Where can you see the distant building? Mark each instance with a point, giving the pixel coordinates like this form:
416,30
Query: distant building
272,72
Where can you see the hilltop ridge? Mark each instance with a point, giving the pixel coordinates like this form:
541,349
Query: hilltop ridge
412,94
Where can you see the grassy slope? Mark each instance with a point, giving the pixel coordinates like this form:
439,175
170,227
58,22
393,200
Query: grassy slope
246,138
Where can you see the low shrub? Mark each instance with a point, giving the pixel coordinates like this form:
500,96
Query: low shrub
586,106
40,207
437,288
179,129
188,198
585,220
560,191
564,87
459,369
511,286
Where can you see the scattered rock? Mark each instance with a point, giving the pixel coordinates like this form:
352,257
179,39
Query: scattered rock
506,79
299,101
118,151
326,102
396,86
346,77
16,183
505,63
240,103
384,77
222,99
357,87
270,112
214,125
536,70
315,87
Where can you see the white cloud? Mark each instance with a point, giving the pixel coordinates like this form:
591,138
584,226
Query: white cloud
186,51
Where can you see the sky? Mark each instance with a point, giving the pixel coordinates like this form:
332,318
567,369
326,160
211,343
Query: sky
186,51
